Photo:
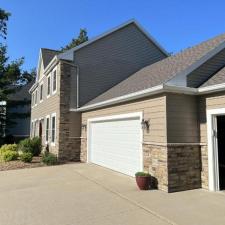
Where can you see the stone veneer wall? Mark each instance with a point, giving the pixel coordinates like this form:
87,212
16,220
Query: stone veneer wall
69,147
83,152
204,169
155,162
184,167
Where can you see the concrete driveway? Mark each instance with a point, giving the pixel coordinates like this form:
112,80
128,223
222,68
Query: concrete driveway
75,194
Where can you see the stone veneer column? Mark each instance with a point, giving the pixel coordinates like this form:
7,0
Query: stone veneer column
184,167
69,147
204,169
155,162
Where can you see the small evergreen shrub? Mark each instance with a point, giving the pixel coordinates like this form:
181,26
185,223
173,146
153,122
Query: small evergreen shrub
49,158
26,157
10,147
10,156
31,145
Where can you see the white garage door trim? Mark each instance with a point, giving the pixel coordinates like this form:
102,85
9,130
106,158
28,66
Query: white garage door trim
115,117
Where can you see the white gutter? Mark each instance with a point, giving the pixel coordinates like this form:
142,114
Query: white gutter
128,97
211,89
152,91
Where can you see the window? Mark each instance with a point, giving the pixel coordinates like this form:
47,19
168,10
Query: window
48,85
47,129
54,82
35,101
41,92
53,126
32,99
32,129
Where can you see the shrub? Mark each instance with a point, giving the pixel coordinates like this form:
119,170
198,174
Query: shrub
10,147
9,155
31,145
49,158
142,174
26,157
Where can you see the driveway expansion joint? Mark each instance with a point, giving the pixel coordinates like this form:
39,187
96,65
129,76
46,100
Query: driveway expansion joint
164,219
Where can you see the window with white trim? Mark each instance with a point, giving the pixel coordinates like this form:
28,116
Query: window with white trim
53,128
32,99
47,126
35,101
54,82
41,92
48,85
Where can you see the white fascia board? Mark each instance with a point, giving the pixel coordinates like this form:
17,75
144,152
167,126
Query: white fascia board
212,89
69,54
152,91
128,97
181,78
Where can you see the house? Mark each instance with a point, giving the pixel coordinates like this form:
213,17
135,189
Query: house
18,106
120,101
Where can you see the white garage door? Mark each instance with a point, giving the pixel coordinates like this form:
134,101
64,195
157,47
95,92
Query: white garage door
116,143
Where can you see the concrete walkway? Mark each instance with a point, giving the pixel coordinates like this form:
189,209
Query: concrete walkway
83,194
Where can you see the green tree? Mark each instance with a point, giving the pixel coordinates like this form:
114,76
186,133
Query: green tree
82,37
4,17
12,79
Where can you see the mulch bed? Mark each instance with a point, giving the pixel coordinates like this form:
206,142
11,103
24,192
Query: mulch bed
17,164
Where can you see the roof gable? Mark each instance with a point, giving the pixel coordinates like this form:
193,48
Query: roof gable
69,54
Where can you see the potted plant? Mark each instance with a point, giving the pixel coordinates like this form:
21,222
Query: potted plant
143,180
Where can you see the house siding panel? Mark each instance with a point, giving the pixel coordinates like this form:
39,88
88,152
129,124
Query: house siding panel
112,59
182,119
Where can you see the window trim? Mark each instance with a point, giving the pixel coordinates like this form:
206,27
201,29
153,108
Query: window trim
41,85
49,88
53,143
54,91
49,129
36,97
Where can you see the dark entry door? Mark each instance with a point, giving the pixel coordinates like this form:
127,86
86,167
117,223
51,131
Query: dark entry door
221,150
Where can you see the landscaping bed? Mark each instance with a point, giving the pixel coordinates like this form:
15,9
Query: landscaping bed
26,154
17,164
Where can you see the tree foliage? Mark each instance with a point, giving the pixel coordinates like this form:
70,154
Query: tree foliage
4,17
12,79
82,37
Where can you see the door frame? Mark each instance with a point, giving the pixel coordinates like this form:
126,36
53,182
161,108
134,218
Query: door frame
115,117
213,163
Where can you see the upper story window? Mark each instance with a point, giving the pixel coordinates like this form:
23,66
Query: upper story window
47,129
35,98
53,130
41,92
48,85
32,99
54,82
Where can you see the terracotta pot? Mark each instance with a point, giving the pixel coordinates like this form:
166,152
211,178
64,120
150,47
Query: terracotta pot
143,182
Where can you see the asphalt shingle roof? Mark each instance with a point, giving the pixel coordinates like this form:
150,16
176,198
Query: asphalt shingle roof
217,78
161,71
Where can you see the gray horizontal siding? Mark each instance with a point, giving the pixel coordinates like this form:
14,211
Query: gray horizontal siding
182,119
204,72
112,59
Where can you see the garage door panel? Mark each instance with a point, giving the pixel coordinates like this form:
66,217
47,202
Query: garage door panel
116,144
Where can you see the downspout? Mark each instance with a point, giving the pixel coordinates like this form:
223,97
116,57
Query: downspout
78,81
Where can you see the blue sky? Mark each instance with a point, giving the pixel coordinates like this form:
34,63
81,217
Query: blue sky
175,24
